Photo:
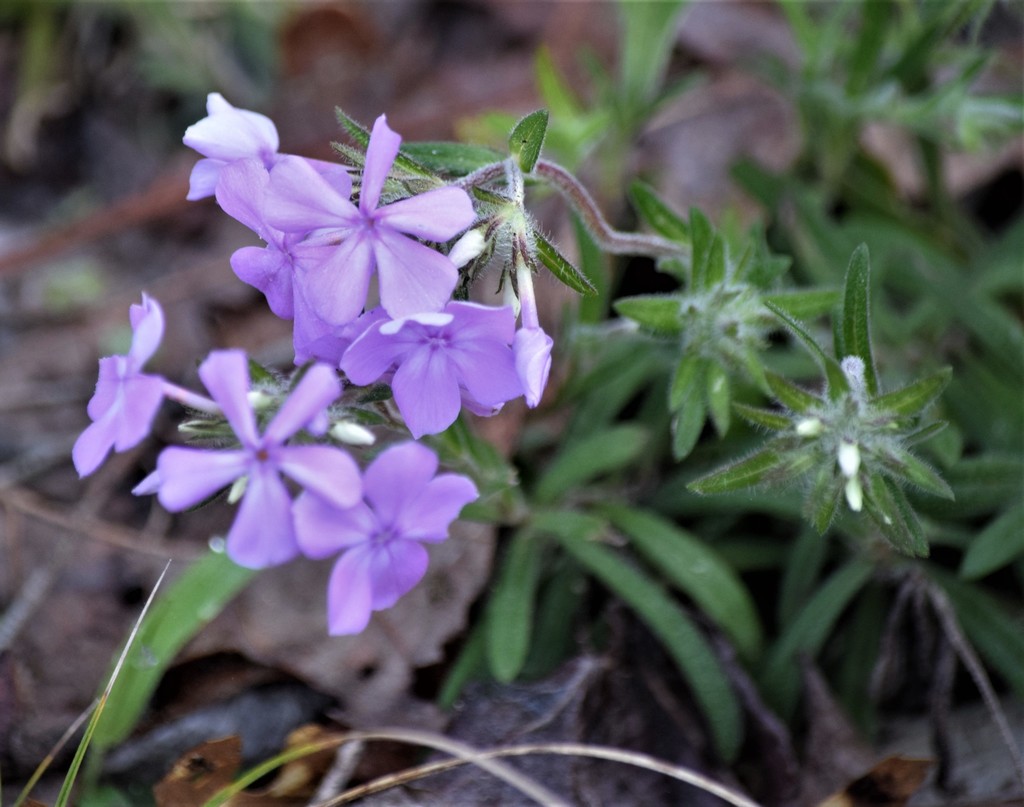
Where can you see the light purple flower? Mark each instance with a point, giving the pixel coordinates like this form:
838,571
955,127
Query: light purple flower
405,505
228,134
532,349
126,399
413,278
263,533
463,351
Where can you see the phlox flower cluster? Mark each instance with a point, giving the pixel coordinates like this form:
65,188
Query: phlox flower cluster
332,239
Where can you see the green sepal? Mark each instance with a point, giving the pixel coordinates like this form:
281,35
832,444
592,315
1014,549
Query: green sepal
560,267
789,394
362,136
906,466
857,315
766,418
527,139
258,374
719,396
662,219
766,465
374,394
914,398
805,304
658,312
888,507
823,499
837,383
510,607
450,159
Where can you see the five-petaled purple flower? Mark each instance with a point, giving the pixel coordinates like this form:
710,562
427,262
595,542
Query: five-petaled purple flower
263,532
405,504
413,278
463,352
126,399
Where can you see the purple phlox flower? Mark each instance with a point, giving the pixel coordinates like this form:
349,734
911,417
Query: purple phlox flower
532,347
413,278
405,505
126,399
228,134
464,351
263,532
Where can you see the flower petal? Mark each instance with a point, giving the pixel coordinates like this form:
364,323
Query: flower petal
426,391
328,472
436,215
427,516
380,154
202,182
397,476
112,372
263,533
189,475
532,349
348,593
225,373
93,444
299,199
147,330
141,397
240,192
324,530
487,370
413,278
316,390
229,133
395,569
269,270
337,288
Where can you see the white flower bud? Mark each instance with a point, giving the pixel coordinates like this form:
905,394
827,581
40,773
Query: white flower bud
853,369
849,459
470,246
345,431
809,427
854,494
258,400
238,490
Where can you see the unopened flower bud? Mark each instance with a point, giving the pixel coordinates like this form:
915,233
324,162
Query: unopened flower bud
849,459
854,494
237,490
259,400
345,431
470,246
853,369
809,427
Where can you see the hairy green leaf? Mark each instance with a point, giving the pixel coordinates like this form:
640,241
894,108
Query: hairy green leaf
857,315
719,397
766,418
659,312
1000,543
590,457
837,383
510,608
527,139
914,398
560,267
658,214
766,465
789,394
450,159
804,304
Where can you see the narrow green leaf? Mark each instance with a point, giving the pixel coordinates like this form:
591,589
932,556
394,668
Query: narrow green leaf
805,304
588,458
659,312
555,91
823,499
914,398
789,394
687,425
887,505
719,397
185,607
800,574
857,314
716,265
648,34
808,632
450,159
906,466
652,209
527,139
870,40
695,569
510,608
703,238
361,135
663,617
560,267
766,465
837,383
688,382
999,544
766,418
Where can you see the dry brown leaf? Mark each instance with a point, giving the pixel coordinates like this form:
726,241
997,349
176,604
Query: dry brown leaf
889,784
200,773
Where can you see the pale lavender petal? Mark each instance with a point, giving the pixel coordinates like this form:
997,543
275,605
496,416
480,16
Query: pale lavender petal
395,568
328,472
189,475
413,278
436,215
373,354
225,373
232,134
202,182
313,338
93,444
147,330
532,348
348,593
324,530
141,397
270,271
396,477
426,391
317,389
112,371
300,200
263,533
335,173
240,192
337,288
474,321
487,370
427,516
380,154
148,486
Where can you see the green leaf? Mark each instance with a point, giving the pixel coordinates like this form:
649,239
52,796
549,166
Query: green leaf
696,570
590,457
800,574
887,505
804,304
837,383
510,608
180,613
557,94
688,382
687,425
719,397
766,418
823,499
362,136
857,315
527,139
914,398
870,40
999,544
659,312
662,219
704,243
809,630
789,394
766,465
560,267
648,34
450,159
906,466
666,620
